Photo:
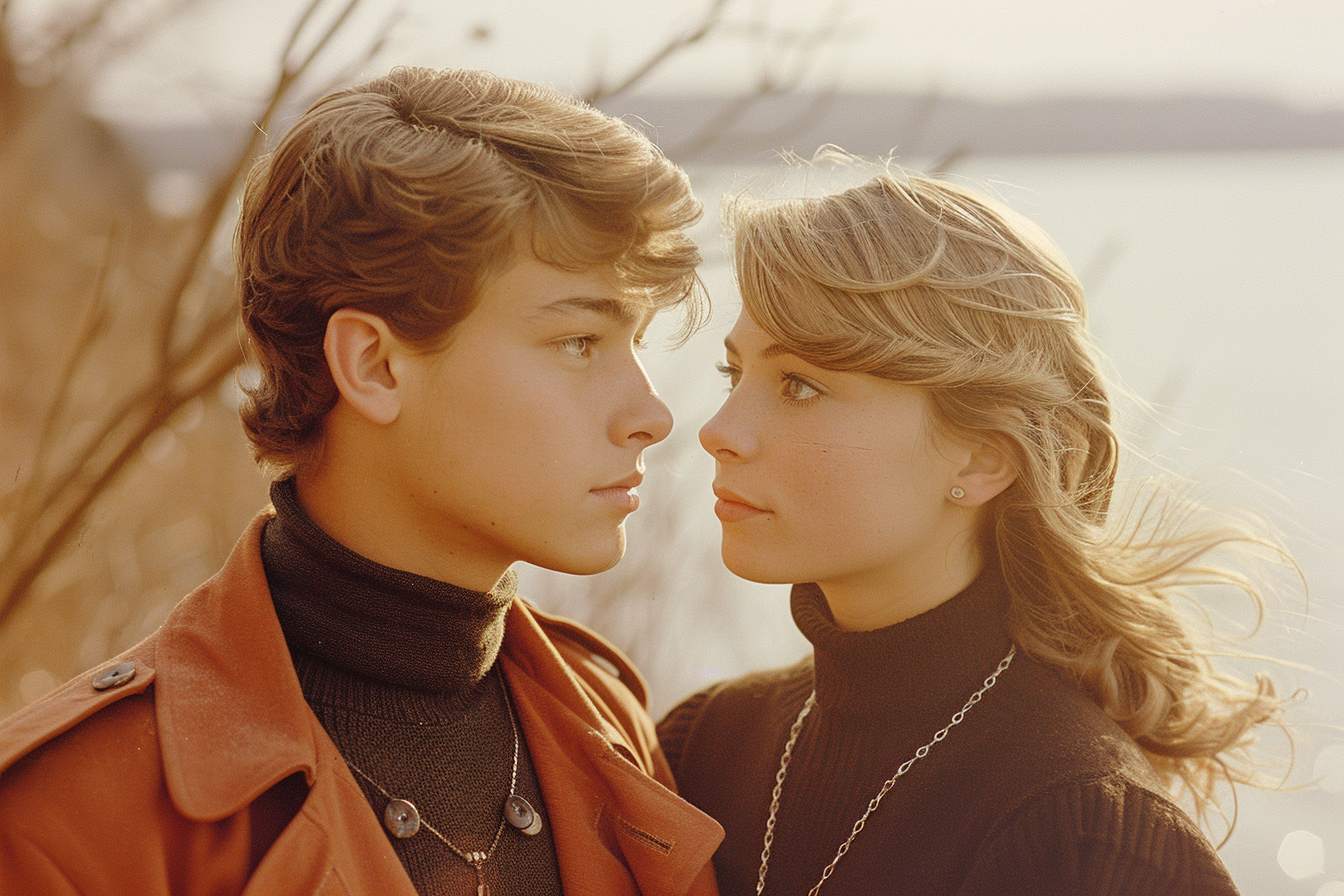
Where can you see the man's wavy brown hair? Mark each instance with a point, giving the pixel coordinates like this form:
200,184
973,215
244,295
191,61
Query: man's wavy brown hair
405,195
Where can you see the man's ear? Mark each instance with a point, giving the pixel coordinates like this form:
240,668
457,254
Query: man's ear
988,471
359,346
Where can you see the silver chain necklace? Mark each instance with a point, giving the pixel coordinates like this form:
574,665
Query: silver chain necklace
875,801
402,819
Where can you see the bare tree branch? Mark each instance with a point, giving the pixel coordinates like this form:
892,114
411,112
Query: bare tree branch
708,23
162,406
719,129
376,45
950,159
207,222
61,500
797,50
94,323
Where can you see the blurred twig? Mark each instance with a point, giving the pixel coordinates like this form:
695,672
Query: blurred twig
85,38
54,503
789,53
948,160
709,23
796,51
95,322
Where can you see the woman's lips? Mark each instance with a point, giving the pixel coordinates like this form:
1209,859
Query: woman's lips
730,508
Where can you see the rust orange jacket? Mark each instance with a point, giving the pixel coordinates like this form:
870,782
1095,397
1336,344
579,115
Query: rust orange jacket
166,780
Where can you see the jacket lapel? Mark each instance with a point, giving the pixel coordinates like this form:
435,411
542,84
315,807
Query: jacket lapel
333,847
233,723
232,719
611,822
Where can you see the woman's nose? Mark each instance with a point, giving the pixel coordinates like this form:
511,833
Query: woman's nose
724,436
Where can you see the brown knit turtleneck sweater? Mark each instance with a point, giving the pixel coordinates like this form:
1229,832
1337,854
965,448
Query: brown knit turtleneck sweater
400,669
1036,791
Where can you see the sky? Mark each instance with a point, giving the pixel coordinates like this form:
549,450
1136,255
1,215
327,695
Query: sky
221,53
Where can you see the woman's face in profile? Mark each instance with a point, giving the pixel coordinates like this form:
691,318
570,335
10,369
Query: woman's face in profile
826,476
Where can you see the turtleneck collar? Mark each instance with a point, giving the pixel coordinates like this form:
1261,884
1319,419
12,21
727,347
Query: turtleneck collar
921,665
373,621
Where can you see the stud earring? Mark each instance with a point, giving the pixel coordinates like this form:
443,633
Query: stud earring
958,492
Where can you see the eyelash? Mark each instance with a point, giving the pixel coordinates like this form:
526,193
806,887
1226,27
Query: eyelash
788,382
731,372
587,342
792,381
584,343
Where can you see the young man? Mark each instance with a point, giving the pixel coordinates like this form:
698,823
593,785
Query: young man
445,277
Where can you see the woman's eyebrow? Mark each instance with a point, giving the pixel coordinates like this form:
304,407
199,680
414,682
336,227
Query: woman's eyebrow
772,350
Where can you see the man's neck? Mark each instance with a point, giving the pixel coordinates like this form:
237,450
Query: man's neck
356,504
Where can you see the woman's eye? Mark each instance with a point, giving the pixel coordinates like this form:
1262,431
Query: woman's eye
731,372
795,389
578,346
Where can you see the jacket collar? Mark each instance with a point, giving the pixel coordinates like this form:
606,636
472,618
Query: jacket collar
231,715
233,723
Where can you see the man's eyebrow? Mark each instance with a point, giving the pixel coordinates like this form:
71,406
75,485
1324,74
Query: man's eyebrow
622,312
773,350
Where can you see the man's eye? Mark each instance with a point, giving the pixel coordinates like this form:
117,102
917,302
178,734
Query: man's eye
578,346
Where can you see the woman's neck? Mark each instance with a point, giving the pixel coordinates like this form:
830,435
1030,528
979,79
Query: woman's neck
891,594
920,669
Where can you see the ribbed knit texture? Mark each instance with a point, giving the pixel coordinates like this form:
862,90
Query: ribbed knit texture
1035,792
400,670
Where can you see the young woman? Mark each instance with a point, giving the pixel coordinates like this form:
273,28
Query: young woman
1002,695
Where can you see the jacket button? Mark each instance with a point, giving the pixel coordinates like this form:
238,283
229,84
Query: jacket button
115,677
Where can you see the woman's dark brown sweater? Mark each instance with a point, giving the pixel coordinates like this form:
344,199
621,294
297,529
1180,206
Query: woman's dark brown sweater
1036,792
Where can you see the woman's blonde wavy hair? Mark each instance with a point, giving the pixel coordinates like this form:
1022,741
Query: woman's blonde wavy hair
927,283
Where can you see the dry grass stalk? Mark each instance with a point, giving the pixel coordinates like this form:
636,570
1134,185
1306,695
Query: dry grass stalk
192,344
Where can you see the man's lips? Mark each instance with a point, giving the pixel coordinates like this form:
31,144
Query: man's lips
622,492
733,508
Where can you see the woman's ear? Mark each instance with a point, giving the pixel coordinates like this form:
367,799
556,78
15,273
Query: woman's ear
358,347
988,471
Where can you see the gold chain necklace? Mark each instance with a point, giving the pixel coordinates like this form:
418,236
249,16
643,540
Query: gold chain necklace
402,819
875,801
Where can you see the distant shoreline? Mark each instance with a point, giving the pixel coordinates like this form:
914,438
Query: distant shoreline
934,126
913,125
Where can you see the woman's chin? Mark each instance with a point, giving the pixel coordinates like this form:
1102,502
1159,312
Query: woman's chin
756,569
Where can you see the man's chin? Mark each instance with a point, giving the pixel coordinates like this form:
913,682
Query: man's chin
588,562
